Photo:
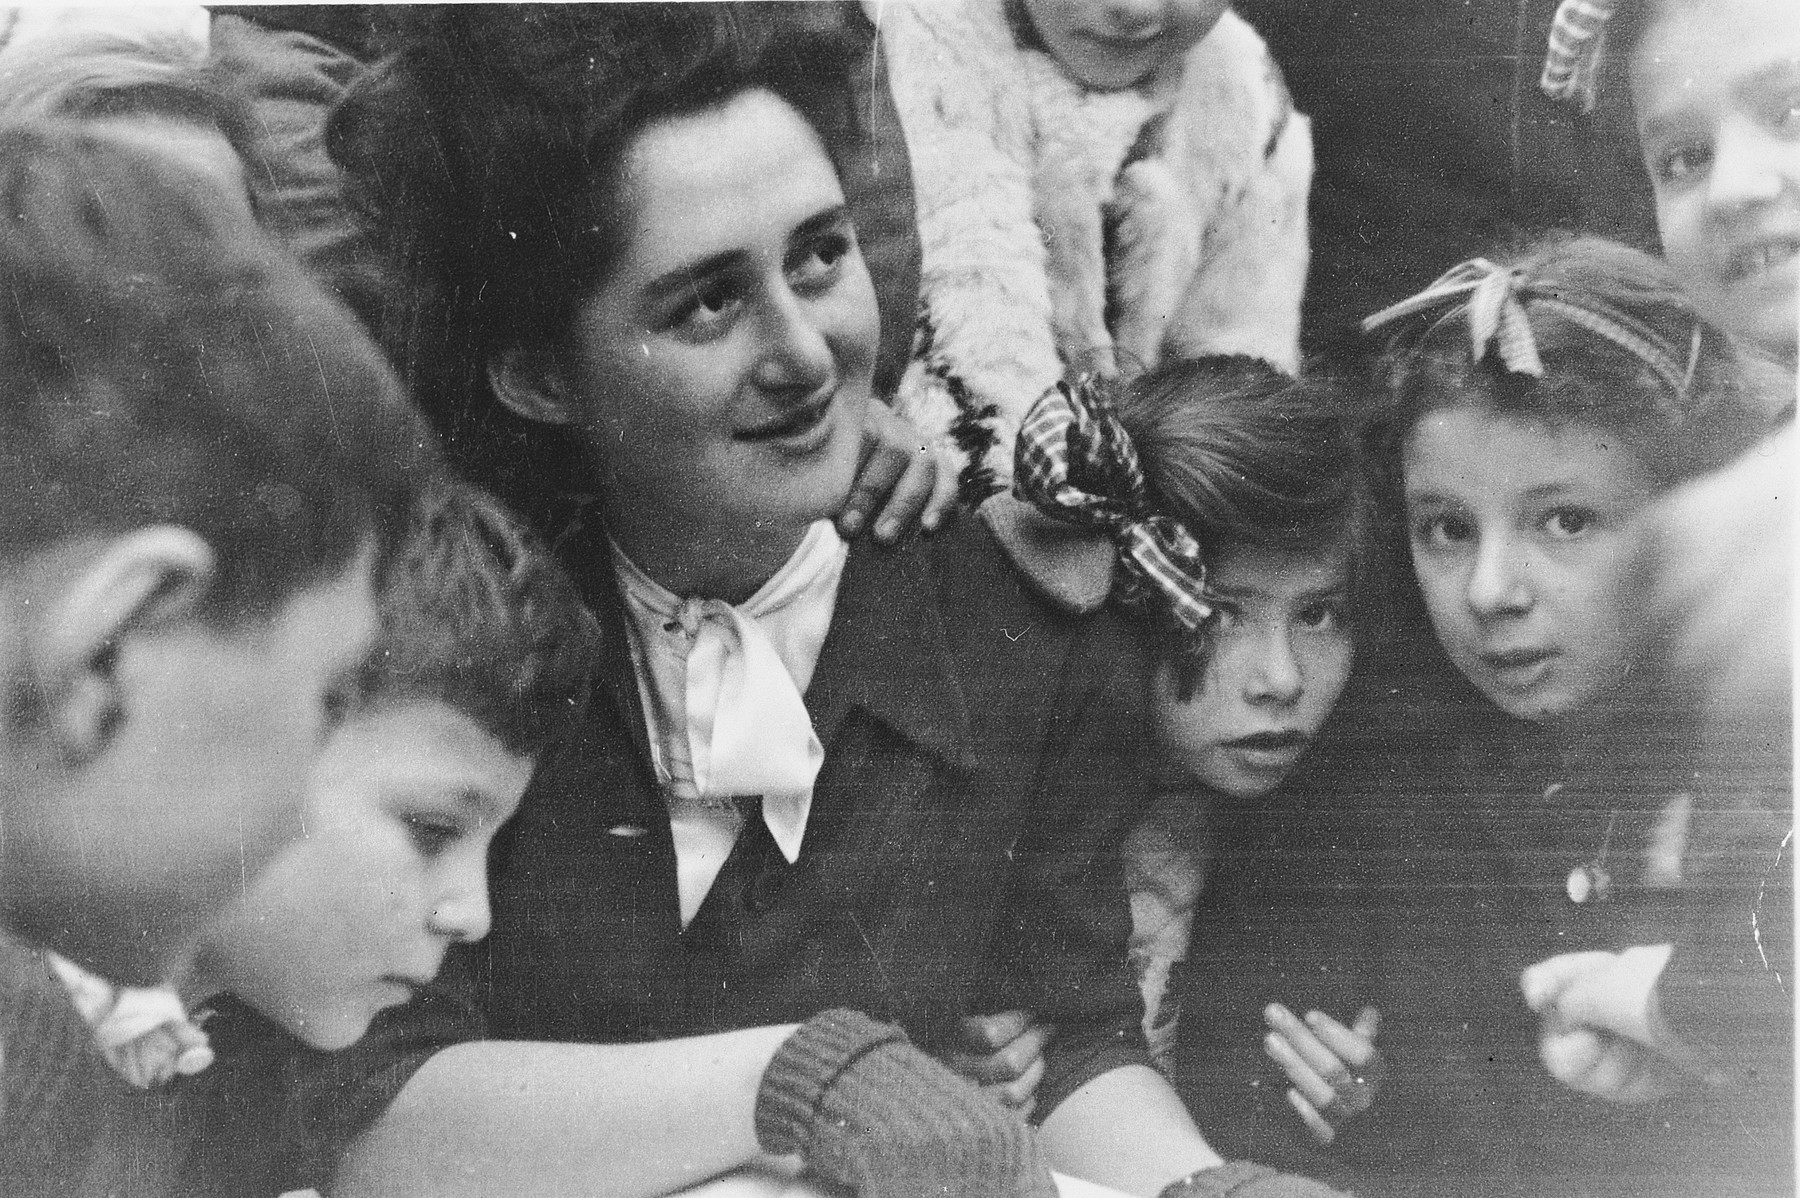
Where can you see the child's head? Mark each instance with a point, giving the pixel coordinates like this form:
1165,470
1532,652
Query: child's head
1111,44
156,90
200,456
1522,451
1258,467
1715,93
482,663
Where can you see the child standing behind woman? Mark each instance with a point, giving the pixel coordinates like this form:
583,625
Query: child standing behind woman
1099,182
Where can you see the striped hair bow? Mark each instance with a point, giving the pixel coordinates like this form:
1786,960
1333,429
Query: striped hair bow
1577,40
1493,299
1075,463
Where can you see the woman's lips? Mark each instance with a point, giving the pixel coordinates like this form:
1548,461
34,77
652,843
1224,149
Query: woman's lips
793,424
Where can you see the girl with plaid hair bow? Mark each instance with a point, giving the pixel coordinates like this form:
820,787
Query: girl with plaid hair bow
1218,503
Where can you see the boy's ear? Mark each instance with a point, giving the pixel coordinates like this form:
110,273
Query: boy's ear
531,384
147,578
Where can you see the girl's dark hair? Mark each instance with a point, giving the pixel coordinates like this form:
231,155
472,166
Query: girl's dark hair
1248,457
486,147
1428,366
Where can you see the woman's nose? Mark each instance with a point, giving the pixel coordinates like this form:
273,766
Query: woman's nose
796,354
1747,165
461,912
1497,582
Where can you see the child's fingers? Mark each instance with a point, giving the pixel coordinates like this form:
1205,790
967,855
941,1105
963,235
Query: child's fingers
907,502
1322,1131
1322,1059
941,507
988,1032
1543,982
1306,1079
1368,1022
1353,1048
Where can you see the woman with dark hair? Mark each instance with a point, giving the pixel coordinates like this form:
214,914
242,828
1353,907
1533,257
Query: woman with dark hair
816,776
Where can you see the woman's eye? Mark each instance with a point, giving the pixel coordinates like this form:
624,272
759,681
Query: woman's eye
707,310
1438,532
1567,522
822,261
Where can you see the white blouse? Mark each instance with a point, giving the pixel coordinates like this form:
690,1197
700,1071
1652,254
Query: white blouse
721,689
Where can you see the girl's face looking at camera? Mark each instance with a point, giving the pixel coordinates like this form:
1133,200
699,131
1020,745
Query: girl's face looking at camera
721,371
1111,44
1280,656
1522,539
358,913
1716,88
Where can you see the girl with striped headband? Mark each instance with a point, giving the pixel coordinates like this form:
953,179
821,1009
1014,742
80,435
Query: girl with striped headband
1534,409
1715,90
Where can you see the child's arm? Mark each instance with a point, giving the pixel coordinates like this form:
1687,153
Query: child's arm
954,75
1211,251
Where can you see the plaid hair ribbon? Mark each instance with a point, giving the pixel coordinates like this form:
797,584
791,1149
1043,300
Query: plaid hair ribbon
1075,463
1577,40
1493,299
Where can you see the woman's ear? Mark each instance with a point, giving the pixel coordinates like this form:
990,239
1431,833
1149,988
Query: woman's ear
146,579
531,384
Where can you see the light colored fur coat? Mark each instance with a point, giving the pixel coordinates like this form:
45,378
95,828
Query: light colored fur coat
1177,207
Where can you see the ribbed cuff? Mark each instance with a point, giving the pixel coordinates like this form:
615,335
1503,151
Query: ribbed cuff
804,1068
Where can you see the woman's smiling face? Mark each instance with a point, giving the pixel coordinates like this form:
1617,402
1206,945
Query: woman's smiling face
721,371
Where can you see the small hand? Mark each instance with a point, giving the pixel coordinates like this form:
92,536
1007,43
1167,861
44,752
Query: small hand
1601,1033
1336,1070
1604,1065
1004,1055
901,475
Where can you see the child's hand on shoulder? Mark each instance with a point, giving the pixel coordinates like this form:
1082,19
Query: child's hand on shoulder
1336,1070
902,480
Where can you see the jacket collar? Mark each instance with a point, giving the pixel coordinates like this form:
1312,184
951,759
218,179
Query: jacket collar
886,652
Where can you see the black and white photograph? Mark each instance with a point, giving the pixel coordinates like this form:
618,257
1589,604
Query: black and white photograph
898,599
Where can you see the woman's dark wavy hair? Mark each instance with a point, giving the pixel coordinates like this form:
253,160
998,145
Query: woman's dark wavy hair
1248,457
1427,366
486,147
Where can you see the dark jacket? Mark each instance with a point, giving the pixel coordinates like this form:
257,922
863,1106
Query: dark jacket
1422,875
982,758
